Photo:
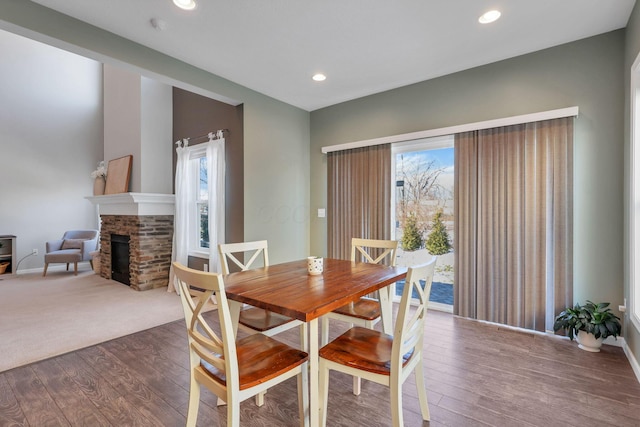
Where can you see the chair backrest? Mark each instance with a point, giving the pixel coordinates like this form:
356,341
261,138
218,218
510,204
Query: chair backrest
204,344
367,249
228,251
409,328
80,234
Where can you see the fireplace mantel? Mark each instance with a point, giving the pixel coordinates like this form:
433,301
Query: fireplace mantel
134,204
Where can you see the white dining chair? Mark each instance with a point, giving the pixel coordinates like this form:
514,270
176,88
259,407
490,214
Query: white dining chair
234,370
366,311
254,320
381,358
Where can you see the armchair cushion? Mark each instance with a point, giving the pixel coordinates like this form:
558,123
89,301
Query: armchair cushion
54,245
72,244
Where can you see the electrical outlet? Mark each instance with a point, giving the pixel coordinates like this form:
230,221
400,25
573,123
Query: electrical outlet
34,252
206,267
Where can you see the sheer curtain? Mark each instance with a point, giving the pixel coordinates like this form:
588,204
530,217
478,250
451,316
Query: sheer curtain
358,197
513,223
216,169
184,193
185,199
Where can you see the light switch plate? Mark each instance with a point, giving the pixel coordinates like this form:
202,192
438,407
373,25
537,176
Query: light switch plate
321,213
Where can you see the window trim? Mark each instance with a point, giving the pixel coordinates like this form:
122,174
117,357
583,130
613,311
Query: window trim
634,195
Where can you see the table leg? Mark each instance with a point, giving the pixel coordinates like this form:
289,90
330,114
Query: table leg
234,309
386,309
314,382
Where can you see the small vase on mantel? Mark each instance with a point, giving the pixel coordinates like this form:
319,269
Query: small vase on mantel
98,186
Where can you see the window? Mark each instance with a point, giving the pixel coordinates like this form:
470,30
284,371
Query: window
201,232
199,204
423,211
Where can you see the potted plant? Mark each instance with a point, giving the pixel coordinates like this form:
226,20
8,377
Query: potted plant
589,323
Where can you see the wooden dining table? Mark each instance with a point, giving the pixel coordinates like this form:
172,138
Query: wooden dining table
288,289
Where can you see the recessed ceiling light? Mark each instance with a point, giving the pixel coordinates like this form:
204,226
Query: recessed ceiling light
489,17
185,4
319,77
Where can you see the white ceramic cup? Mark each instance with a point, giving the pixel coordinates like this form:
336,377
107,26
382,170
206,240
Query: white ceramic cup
314,265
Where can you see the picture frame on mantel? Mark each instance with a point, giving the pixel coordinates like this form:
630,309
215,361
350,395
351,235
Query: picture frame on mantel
118,174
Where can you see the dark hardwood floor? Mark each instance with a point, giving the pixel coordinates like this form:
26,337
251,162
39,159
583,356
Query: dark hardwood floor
477,374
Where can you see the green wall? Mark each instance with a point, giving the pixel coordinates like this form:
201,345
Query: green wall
587,73
276,135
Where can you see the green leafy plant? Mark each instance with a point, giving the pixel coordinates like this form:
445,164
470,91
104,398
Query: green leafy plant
438,241
411,236
593,318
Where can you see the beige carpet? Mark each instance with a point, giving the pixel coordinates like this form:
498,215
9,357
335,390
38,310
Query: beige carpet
42,317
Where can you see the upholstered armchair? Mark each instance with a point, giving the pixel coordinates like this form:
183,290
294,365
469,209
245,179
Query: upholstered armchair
74,247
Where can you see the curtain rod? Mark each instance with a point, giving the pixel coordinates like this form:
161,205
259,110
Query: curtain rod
211,135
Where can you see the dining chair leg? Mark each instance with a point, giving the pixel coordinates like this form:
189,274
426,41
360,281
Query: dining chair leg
303,395
194,403
233,414
323,392
260,398
395,388
357,386
422,392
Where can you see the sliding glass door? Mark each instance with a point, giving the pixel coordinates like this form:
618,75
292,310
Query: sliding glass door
423,212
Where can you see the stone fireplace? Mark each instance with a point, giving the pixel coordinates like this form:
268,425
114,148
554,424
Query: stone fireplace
146,221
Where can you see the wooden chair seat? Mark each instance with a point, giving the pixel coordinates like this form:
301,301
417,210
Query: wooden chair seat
362,348
262,320
364,308
260,358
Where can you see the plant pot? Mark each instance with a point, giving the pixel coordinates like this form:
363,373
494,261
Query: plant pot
588,342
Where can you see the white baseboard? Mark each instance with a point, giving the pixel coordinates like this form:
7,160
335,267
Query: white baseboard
619,342
632,360
53,267
440,307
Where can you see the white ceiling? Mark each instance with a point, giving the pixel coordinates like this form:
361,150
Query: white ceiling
363,46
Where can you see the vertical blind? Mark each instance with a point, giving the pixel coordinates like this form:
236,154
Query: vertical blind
513,234
358,197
